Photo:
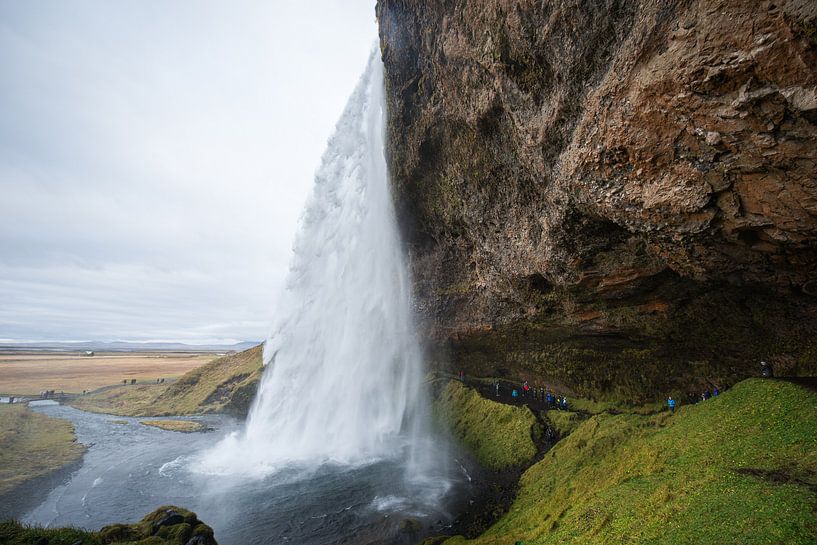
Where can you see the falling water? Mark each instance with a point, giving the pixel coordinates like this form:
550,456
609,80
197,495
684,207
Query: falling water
343,373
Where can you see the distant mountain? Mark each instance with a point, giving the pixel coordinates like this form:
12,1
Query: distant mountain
125,346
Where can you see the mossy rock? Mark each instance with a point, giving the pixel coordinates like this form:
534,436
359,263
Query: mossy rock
116,533
168,525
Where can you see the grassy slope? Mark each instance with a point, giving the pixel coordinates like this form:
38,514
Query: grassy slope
224,385
741,468
154,529
32,444
498,435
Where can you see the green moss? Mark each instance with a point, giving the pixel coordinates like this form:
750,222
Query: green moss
563,422
178,533
498,435
737,469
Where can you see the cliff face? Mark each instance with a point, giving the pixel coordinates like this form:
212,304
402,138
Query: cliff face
616,196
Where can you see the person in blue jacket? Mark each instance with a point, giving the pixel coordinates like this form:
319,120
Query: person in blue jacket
514,393
671,404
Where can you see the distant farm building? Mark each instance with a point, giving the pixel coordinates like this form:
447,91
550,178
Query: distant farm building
88,353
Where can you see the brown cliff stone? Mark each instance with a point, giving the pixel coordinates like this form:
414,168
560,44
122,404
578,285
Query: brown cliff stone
558,160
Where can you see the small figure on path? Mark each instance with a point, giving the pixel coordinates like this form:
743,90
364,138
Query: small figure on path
766,370
716,392
564,403
496,385
550,399
462,376
525,389
706,395
671,404
514,393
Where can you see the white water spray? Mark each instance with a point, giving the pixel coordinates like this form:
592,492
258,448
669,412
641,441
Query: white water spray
344,371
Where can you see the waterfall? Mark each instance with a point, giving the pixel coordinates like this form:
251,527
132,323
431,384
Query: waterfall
343,375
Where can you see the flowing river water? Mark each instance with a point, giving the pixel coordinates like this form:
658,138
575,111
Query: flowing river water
131,469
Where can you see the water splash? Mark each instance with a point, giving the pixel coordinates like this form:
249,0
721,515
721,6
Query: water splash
344,370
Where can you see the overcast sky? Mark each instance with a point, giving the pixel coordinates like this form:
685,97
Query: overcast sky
155,156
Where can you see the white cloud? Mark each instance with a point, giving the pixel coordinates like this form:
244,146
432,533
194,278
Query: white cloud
155,156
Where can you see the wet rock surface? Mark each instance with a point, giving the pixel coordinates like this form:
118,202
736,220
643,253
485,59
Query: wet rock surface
617,196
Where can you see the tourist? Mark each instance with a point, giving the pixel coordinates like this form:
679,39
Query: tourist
564,403
671,404
514,393
525,389
716,392
706,395
766,370
496,385
550,400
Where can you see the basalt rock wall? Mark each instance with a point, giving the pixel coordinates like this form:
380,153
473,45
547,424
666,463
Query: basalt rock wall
614,197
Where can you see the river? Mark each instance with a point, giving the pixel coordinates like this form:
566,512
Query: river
131,469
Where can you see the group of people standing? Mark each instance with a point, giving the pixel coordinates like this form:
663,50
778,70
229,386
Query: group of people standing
535,394
693,398
766,371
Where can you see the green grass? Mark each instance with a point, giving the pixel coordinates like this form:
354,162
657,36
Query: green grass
224,385
737,469
596,407
13,533
32,445
563,422
155,529
498,435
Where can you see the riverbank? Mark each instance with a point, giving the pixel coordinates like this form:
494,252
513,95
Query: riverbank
739,468
35,447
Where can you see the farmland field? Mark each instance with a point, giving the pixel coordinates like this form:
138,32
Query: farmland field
30,373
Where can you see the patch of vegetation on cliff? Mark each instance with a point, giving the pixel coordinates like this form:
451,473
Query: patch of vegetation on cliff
737,469
167,525
33,445
227,385
498,435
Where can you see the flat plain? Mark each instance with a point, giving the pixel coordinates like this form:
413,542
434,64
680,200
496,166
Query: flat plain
30,373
